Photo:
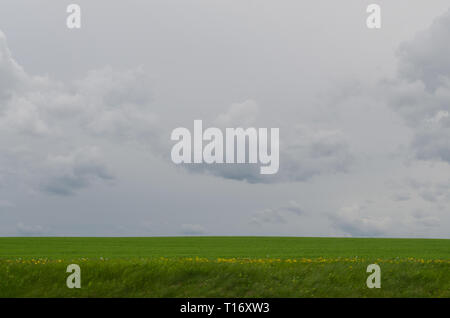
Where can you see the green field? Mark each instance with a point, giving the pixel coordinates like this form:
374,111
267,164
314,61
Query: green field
224,267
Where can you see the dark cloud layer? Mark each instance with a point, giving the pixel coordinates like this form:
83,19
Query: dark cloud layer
305,152
421,92
42,114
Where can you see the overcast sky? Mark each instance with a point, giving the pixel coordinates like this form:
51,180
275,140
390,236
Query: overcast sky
86,117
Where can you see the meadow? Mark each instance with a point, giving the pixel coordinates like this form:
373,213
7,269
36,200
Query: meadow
224,267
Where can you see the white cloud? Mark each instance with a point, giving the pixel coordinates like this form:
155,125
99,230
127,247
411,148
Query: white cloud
12,76
239,115
117,104
46,124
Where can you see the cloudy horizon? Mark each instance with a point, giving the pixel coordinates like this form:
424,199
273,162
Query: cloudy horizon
86,117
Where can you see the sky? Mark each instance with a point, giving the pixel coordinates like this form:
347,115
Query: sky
86,116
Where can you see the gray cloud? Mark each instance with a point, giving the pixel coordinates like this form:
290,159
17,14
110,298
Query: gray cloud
30,230
305,151
427,57
192,229
6,204
422,219
277,215
432,192
77,170
421,91
50,122
401,197
354,221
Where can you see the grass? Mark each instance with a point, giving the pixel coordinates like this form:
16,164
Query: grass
226,247
224,267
